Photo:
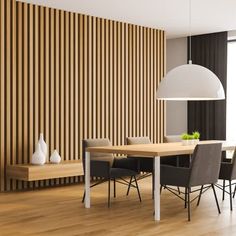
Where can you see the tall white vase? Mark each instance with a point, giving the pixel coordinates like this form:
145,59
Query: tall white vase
38,157
43,145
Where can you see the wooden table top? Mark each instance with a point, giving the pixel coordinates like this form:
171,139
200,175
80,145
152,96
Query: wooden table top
161,149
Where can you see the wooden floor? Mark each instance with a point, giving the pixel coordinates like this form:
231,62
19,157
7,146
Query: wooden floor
59,211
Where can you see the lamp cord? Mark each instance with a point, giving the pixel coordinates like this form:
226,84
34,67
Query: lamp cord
190,32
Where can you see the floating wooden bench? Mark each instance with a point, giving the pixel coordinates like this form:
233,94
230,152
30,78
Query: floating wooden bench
47,171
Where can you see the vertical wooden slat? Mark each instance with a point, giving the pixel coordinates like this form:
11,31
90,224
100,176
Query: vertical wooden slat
81,82
141,83
85,76
138,102
111,98
25,85
8,84
41,71
94,78
102,78
155,78
107,79
2,94
36,76
62,89
71,88
148,81
123,102
126,79
62,82
57,80
76,88
13,89
130,79
67,93
67,78
52,79
118,84
19,86
89,78
47,109
152,95
30,85
134,95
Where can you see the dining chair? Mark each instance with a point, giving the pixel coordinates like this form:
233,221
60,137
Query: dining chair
204,170
107,167
228,173
145,163
177,160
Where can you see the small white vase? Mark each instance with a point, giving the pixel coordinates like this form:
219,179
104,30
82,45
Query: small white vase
38,157
55,157
43,146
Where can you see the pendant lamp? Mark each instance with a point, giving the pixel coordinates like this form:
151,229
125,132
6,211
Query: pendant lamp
190,81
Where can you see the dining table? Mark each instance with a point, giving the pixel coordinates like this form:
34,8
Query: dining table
155,151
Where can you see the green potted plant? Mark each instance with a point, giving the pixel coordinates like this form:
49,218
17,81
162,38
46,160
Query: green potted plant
185,138
190,139
196,137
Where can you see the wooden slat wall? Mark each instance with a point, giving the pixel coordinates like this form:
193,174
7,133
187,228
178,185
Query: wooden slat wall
72,76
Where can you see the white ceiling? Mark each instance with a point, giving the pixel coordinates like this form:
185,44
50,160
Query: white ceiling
170,15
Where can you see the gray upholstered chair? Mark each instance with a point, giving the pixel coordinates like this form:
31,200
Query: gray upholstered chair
180,160
145,163
228,172
204,170
107,167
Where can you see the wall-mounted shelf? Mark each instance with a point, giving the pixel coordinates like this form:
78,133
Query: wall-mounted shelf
47,171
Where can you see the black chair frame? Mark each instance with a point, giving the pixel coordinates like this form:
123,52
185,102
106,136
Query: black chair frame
120,181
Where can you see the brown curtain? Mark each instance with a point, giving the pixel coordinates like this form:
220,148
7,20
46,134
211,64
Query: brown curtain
209,117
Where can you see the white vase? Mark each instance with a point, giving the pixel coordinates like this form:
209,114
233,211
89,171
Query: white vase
55,157
43,146
38,157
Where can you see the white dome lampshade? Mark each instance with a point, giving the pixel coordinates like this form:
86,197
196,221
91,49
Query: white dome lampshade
190,82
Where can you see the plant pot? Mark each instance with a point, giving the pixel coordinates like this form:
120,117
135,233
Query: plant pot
195,141
186,142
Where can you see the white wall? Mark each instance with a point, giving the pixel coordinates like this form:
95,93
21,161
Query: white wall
176,111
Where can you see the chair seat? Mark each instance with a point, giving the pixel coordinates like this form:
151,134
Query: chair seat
121,172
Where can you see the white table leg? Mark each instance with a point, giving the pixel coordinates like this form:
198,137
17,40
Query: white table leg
157,188
87,180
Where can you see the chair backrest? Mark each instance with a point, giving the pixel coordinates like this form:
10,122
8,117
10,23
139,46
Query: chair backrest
137,140
172,138
205,165
98,156
233,174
